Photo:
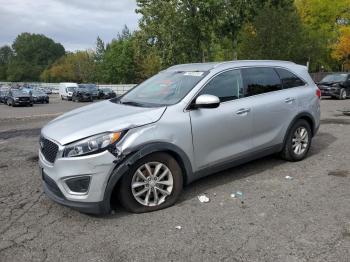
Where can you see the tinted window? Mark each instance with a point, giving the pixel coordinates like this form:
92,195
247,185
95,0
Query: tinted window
260,80
289,80
227,86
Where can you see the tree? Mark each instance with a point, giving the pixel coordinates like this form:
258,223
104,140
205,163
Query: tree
100,50
275,33
32,54
77,67
118,62
341,49
6,55
323,20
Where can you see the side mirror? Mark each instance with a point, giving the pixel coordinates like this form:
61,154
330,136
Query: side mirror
207,101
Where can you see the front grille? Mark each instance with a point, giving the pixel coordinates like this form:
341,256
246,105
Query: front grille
24,99
49,149
52,185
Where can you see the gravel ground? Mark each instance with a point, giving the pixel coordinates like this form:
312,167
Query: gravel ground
306,218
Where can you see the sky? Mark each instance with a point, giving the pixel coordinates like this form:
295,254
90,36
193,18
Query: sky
73,23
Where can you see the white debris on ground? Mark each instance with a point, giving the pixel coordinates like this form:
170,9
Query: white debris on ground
289,177
178,227
203,199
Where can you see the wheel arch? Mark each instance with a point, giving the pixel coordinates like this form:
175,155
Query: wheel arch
124,165
305,116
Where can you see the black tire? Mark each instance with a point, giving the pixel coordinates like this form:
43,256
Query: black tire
61,97
342,94
288,153
126,197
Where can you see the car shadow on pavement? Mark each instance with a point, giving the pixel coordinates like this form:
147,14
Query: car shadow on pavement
205,184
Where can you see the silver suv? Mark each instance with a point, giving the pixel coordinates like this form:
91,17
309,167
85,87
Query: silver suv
186,122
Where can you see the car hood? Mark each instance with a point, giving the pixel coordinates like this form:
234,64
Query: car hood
329,83
98,118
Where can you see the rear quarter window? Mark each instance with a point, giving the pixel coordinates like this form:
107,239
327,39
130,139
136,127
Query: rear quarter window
289,80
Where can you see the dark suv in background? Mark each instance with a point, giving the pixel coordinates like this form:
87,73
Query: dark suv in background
91,88
39,96
335,85
16,97
82,95
106,93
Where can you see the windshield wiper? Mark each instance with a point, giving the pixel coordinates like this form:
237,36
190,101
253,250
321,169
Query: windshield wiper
131,103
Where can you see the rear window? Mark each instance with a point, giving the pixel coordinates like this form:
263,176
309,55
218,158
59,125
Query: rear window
288,79
260,80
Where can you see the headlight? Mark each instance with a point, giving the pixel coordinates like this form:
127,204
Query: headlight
16,98
335,85
92,144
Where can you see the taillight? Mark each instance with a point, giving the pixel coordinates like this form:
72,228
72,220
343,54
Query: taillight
318,92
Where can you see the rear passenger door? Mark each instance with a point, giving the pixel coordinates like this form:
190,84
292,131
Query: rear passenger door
273,107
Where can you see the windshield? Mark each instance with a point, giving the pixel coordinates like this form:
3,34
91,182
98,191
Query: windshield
70,88
90,87
334,78
19,93
106,90
166,88
36,92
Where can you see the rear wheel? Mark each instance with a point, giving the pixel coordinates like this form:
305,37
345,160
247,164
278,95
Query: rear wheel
298,141
153,183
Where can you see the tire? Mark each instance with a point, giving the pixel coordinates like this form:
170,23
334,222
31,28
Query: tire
126,194
288,153
342,94
61,97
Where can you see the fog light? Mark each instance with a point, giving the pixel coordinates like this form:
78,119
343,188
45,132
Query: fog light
78,185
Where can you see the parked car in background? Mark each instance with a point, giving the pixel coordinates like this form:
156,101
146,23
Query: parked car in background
336,85
82,95
106,93
66,90
3,95
92,88
17,97
40,97
182,124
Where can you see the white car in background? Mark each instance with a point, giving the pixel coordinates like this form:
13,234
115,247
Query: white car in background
66,90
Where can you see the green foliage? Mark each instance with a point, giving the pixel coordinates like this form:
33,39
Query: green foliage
275,33
187,31
76,67
118,62
6,55
33,53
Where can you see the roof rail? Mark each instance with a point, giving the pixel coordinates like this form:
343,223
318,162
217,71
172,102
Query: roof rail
239,61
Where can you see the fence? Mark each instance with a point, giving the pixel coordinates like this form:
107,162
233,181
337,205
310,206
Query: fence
118,89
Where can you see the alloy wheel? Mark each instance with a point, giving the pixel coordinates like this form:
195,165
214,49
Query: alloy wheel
152,183
300,140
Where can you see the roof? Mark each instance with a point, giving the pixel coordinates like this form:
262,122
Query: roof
210,66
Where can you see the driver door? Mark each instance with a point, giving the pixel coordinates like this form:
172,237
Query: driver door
224,133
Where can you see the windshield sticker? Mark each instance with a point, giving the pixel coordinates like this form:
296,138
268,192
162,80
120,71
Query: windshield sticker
194,73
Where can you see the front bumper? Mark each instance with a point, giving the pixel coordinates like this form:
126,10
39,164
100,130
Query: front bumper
85,207
330,91
98,166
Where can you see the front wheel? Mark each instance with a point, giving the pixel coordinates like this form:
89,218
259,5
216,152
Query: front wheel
298,141
343,94
153,183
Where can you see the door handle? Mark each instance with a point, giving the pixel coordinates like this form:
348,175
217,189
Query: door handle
289,100
242,111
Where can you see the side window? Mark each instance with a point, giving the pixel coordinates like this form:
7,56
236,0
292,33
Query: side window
227,86
288,79
260,80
